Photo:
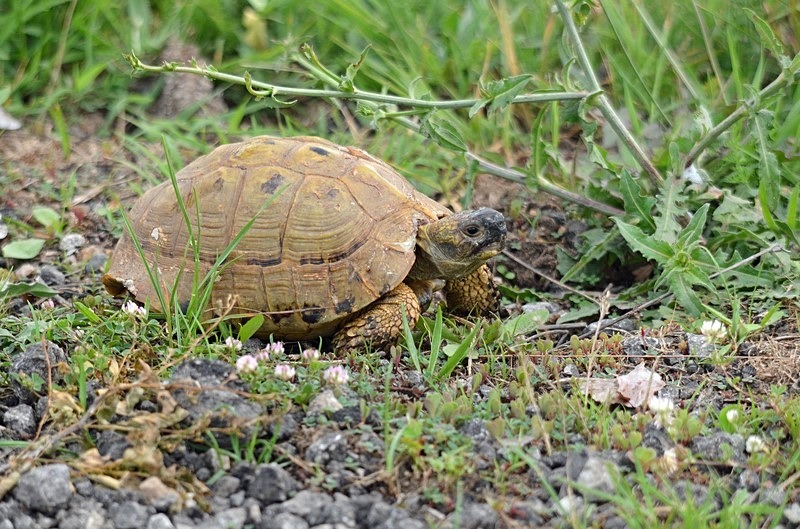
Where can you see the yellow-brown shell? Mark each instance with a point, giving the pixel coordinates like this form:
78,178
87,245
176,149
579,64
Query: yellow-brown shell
339,233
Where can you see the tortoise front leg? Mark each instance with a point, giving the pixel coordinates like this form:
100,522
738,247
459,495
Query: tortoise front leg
380,324
475,292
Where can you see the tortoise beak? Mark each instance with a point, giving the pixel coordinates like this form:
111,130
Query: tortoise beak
494,225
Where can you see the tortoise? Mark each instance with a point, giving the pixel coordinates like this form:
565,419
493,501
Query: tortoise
345,247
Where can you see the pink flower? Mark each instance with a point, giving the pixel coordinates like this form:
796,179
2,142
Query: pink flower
310,355
246,364
233,343
336,375
284,372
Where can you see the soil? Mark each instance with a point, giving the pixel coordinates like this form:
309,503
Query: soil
142,456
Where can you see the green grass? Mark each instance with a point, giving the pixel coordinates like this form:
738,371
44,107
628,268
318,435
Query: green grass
703,84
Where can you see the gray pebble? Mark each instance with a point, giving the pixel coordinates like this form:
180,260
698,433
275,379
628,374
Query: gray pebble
271,484
130,515
21,419
234,518
474,516
96,263
792,513
71,243
226,485
52,276
45,489
31,362
159,521
329,447
720,447
597,475
309,505
283,520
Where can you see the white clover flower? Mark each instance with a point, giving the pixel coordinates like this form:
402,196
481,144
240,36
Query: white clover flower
284,372
336,375
662,408
754,444
275,348
48,304
246,364
732,415
263,354
713,330
130,307
233,343
670,460
311,354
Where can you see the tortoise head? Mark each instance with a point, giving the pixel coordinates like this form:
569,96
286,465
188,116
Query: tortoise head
458,244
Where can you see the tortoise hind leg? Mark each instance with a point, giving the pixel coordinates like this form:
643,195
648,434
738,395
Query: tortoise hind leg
475,292
380,324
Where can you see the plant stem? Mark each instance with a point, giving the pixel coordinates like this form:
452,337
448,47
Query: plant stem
603,102
736,115
274,91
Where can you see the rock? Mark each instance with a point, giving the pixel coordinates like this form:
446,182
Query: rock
159,521
130,515
656,438
71,243
323,403
792,513
597,475
637,346
45,489
720,447
473,516
283,520
309,505
216,394
86,514
157,494
330,447
112,444
234,518
226,485
21,419
32,363
52,276
96,264
271,484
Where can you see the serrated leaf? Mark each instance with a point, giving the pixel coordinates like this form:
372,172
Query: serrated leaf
667,227
659,251
768,38
348,79
23,249
443,133
637,204
693,232
45,216
502,92
681,287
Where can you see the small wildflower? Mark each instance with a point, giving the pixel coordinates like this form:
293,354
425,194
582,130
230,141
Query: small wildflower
669,460
48,304
336,375
755,444
246,364
310,355
276,348
662,408
284,372
233,343
130,307
713,330
732,415
263,354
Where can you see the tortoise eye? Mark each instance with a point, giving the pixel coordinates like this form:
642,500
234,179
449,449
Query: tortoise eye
472,230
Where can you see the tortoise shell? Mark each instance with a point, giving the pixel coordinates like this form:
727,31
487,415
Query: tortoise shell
339,232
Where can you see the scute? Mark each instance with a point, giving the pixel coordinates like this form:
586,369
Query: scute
339,232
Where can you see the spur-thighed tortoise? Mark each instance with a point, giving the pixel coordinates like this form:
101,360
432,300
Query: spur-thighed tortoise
345,244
